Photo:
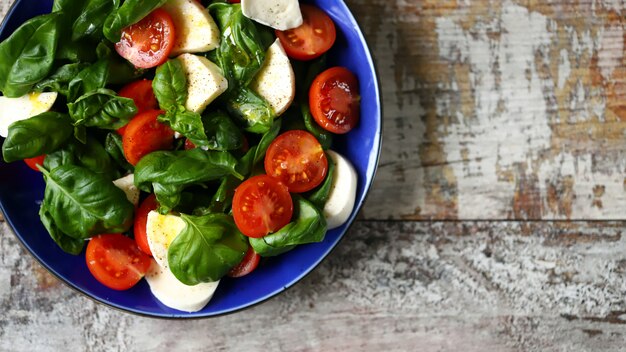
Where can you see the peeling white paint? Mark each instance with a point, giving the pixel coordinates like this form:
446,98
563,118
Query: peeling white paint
611,51
564,68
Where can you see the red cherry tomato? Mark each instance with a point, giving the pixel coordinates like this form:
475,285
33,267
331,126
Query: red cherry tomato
261,205
144,134
116,261
334,100
33,162
247,265
148,42
141,218
142,94
189,144
297,159
313,38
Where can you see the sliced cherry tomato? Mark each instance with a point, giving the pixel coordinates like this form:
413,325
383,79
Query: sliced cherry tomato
33,162
148,42
314,37
247,265
297,159
189,144
141,218
144,134
142,94
334,100
116,261
261,205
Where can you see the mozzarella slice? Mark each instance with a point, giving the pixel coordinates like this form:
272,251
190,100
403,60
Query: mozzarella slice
205,81
196,30
340,201
29,105
161,230
174,294
276,81
127,184
278,14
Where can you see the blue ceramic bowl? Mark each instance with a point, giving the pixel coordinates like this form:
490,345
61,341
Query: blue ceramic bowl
21,191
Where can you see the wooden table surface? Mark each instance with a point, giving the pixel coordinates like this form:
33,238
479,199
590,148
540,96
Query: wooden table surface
495,222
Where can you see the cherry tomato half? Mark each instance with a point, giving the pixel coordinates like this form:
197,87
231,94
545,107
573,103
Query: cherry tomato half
297,159
261,205
247,265
334,100
313,38
141,218
144,134
142,94
33,162
148,42
116,261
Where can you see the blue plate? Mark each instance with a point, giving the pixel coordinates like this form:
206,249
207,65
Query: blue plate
21,191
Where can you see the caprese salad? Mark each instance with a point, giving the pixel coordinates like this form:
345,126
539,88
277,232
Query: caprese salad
180,140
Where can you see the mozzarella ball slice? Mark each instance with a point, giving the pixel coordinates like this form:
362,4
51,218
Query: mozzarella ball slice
26,106
127,184
278,14
342,195
196,30
161,230
174,294
205,81
276,81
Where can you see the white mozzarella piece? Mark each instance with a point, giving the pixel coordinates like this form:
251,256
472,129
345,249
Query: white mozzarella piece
29,105
196,30
276,81
127,184
174,294
205,81
161,230
342,193
278,14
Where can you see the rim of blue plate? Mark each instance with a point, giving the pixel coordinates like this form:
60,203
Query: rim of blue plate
377,151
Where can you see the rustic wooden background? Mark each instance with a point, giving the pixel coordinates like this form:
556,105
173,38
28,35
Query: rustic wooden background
507,117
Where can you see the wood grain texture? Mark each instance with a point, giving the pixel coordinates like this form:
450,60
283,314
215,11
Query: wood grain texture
392,286
499,109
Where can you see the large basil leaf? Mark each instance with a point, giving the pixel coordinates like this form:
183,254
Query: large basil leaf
89,23
168,173
40,134
309,227
27,56
91,155
222,133
187,123
132,11
88,80
102,108
207,248
66,243
319,196
113,146
83,203
170,85
60,79
255,112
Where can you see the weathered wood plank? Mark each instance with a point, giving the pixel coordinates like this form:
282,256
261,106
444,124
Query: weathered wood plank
392,286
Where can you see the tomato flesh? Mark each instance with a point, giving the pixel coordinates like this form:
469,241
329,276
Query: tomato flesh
144,134
116,261
141,218
297,159
148,42
261,205
247,265
142,94
33,162
315,36
334,100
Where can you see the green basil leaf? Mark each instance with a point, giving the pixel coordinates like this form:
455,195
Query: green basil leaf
113,146
309,227
91,20
66,243
223,197
170,85
90,79
60,79
131,12
319,196
324,137
207,248
266,140
222,133
83,203
40,134
187,123
91,155
102,108
252,110
27,56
